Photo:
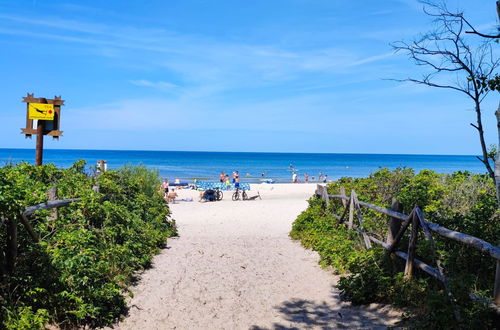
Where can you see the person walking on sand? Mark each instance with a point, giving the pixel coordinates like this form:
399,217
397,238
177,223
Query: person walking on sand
306,178
164,185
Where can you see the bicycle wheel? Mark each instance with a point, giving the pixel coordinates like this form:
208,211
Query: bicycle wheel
244,195
236,196
219,195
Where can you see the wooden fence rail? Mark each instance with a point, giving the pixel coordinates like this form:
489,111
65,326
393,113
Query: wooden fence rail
12,231
398,225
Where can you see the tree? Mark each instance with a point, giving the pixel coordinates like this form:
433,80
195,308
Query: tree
454,63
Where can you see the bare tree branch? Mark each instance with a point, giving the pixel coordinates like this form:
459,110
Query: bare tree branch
446,53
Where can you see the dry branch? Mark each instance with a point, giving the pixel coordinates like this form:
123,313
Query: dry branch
475,242
49,205
420,264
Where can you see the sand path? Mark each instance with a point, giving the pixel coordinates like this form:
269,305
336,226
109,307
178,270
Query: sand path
234,267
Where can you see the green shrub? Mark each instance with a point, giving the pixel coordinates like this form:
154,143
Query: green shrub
79,272
461,201
24,319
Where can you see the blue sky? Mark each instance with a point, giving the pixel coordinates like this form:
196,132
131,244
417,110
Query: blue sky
277,76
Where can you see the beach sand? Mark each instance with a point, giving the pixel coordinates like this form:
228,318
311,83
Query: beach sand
234,267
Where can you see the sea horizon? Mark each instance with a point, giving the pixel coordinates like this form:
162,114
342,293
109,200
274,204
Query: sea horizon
250,152
253,166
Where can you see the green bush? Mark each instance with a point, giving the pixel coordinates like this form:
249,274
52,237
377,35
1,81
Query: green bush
24,318
461,201
78,274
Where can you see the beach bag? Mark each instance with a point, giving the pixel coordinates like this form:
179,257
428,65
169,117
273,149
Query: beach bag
209,195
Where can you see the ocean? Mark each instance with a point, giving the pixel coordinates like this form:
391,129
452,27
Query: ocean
252,166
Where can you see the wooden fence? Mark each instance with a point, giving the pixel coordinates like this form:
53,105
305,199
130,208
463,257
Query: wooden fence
398,225
11,248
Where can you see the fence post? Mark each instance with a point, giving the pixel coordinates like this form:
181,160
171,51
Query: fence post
2,259
496,290
11,247
319,190
325,196
52,196
411,247
342,193
351,211
394,224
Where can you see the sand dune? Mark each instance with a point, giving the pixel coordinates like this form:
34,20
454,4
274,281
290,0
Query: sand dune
234,267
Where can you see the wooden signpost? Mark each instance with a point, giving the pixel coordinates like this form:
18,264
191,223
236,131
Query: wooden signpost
43,117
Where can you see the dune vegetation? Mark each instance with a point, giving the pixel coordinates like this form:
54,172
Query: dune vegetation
461,201
87,254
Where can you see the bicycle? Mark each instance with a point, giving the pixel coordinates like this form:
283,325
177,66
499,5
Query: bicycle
236,195
218,194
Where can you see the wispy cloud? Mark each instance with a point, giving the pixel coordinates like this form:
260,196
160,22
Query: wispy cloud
161,85
202,63
372,59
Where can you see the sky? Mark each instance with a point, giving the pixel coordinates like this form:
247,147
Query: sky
251,76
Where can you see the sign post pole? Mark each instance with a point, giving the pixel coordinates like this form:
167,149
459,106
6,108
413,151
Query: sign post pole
47,113
39,142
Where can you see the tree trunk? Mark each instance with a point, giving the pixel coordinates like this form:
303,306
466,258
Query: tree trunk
497,159
484,149
496,289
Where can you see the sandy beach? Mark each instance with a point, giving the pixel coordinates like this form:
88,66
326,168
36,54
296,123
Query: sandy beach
234,267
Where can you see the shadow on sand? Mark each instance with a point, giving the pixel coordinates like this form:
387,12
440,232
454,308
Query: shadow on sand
306,314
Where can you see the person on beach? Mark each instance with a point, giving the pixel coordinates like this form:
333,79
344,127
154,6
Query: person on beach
325,179
172,196
228,182
294,177
320,177
164,185
237,181
236,175
306,178
222,177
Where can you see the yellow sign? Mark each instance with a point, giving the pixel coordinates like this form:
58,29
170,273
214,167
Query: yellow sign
41,111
